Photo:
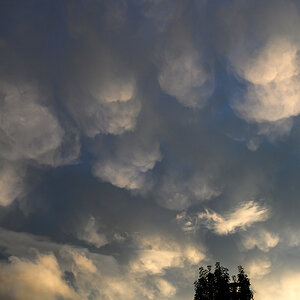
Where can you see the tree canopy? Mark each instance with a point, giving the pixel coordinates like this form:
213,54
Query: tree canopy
217,284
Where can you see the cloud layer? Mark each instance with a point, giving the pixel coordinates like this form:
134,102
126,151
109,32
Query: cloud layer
141,139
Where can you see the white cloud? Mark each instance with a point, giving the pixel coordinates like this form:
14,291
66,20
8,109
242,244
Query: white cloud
240,218
273,76
283,285
34,279
157,254
258,267
262,239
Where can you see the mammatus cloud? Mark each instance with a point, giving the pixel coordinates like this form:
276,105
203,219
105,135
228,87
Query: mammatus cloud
240,218
29,133
28,129
107,116
105,99
129,168
116,87
272,75
182,73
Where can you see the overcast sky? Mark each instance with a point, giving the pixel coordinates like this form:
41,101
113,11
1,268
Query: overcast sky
141,139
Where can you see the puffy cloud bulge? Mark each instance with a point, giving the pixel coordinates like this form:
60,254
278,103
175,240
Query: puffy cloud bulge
272,74
182,72
29,132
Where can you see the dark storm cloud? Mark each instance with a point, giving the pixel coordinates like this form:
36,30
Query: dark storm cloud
139,139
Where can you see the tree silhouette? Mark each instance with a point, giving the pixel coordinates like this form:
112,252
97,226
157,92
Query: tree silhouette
218,286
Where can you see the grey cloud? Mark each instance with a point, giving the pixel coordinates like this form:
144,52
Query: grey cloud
101,91
29,133
129,169
182,73
11,182
180,193
129,160
95,117
262,239
105,101
89,233
122,131
29,130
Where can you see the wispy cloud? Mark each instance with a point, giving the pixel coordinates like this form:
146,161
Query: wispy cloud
240,218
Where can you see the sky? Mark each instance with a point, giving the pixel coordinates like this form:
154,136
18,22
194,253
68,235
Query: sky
142,139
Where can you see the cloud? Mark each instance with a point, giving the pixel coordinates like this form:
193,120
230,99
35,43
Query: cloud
166,288
83,263
139,94
94,275
262,239
182,73
178,193
90,234
40,278
11,182
156,255
101,94
29,134
272,75
188,224
283,286
258,267
240,218
130,167
28,129
161,13
104,116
